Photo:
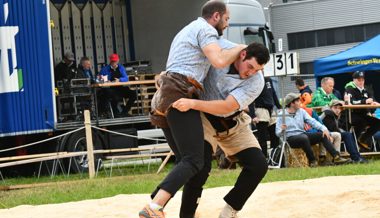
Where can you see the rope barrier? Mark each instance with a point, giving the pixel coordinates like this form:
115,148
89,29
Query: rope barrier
128,135
38,142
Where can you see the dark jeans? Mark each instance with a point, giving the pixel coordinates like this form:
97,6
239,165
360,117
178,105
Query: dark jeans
185,138
116,94
349,142
305,140
254,168
263,131
361,121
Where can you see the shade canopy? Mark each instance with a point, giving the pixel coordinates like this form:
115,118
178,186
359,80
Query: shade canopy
364,57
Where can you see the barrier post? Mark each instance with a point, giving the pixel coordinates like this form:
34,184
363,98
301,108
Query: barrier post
90,148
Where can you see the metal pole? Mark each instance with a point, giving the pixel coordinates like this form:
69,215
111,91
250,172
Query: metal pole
284,142
90,148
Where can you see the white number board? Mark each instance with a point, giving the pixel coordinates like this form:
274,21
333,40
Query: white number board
279,64
292,63
269,68
282,64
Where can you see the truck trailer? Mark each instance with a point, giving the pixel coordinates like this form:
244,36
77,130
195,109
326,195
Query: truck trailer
35,34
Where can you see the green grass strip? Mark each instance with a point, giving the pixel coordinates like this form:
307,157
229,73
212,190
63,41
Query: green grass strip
137,180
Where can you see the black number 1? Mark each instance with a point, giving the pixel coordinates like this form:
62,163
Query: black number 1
291,60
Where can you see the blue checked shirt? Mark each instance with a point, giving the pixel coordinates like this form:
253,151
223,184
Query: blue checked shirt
219,84
186,56
295,124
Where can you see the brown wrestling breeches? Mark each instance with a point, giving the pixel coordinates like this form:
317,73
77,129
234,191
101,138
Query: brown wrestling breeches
172,86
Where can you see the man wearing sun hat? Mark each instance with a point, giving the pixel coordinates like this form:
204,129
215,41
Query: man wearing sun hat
362,118
293,128
115,72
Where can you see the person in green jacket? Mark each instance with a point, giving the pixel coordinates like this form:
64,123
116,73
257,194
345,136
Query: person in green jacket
322,97
324,94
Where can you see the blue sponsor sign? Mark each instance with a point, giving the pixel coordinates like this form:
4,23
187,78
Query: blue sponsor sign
26,93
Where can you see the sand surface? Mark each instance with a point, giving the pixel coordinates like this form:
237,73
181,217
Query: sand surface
332,197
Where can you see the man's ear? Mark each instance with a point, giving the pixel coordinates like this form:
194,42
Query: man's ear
243,53
216,16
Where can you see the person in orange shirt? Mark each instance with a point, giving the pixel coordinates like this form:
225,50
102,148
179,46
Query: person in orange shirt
305,95
305,91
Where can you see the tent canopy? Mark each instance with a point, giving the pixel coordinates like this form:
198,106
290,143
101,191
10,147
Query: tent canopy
363,57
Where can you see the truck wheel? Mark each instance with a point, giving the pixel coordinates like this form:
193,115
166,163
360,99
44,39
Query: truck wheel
77,142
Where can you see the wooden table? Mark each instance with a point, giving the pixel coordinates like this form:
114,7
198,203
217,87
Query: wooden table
129,83
358,106
136,83
318,108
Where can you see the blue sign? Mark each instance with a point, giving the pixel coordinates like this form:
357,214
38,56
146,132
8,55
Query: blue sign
26,93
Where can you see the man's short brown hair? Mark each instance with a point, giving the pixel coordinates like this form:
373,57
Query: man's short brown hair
258,51
210,7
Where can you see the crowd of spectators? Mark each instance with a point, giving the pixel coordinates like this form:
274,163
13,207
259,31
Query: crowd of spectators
112,97
318,117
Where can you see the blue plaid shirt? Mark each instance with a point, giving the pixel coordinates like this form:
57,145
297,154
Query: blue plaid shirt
219,84
186,56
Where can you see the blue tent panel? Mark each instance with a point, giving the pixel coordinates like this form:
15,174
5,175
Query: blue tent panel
364,57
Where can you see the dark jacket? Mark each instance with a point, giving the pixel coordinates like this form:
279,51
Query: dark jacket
62,71
82,73
357,97
267,99
306,89
333,122
337,94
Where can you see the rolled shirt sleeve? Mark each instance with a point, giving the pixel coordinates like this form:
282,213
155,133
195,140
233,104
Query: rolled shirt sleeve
311,121
249,90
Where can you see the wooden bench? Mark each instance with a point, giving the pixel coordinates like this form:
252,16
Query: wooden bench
146,151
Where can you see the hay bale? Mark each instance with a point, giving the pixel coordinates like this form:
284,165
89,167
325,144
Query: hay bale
296,157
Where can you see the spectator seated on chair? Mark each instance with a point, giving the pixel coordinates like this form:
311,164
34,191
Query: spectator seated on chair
84,69
334,121
115,72
305,92
324,94
335,138
65,70
362,118
297,137
376,137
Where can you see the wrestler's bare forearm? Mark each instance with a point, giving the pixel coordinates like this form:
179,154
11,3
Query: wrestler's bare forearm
216,107
220,58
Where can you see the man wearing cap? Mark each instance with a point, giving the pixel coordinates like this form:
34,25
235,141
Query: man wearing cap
361,118
66,69
334,119
115,72
297,137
